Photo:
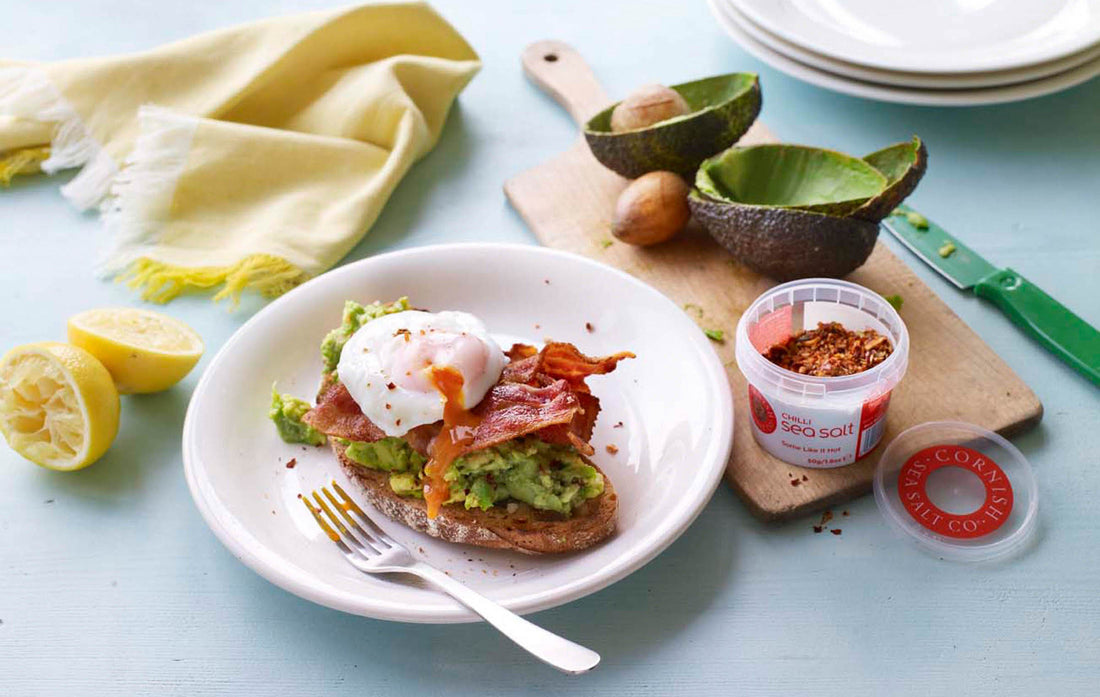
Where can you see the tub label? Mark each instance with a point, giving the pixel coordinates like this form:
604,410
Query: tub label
762,413
912,489
816,437
872,422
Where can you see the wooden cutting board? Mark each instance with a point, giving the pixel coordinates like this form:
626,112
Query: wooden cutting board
953,374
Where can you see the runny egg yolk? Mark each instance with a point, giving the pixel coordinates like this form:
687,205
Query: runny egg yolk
458,431
418,355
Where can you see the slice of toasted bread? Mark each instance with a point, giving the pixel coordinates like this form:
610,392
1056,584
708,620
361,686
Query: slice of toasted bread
524,529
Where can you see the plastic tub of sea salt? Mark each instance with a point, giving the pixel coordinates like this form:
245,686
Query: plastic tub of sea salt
818,421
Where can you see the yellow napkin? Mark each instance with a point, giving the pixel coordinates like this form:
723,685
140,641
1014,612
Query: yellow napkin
250,157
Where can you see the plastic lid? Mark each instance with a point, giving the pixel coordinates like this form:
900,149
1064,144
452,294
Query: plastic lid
960,491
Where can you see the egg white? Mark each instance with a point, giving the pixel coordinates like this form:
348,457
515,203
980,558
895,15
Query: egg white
386,365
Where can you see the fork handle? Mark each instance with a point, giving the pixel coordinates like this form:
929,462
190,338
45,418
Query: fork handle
548,647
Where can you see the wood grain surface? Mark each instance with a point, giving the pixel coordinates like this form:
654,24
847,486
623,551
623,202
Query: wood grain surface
952,375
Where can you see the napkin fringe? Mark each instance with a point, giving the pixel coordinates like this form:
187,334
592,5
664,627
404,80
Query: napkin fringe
22,161
26,92
143,191
141,196
159,282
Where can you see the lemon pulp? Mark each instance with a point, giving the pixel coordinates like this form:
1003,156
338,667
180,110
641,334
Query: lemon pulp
58,405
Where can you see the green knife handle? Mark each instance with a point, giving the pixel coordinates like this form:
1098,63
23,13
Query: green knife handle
1068,336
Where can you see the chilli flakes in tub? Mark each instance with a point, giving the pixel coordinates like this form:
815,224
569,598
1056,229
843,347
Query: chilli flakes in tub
821,357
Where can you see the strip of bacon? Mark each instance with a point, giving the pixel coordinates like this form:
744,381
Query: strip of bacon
520,351
512,410
564,361
525,370
557,361
579,430
337,414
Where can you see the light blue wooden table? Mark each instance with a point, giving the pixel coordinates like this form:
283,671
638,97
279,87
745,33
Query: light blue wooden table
110,583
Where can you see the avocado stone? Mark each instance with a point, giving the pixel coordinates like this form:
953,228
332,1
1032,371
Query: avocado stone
903,164
722,109
786,243
790,176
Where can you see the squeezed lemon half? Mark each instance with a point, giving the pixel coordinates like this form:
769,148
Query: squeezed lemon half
144,351
58,405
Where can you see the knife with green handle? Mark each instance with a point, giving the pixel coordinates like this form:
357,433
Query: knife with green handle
1065,334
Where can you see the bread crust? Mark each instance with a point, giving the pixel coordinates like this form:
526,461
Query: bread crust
524,529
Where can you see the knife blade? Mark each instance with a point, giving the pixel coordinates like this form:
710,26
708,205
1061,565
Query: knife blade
1053,325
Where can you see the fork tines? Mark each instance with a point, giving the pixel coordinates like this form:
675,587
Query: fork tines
368,538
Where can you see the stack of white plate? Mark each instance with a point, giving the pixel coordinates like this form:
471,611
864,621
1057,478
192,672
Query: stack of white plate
935,52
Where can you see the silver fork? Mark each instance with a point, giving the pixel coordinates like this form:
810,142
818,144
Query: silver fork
372,551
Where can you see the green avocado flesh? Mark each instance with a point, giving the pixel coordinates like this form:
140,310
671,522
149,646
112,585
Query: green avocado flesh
895,160
355,316
903,165
543,475
790,211
790,176
723,108
286,412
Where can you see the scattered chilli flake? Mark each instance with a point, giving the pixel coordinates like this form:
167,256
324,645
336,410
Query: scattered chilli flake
391,386
612,449
291,463
618,425
588,327
835,531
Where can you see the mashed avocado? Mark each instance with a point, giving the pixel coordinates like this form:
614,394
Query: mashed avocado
389,454
546,476
286,412
355,316
392,455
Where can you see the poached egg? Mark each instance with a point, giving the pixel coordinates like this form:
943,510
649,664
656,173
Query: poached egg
387,366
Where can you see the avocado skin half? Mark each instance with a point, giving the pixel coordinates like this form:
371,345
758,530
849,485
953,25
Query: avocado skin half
678,145
901,183
772,164
786,243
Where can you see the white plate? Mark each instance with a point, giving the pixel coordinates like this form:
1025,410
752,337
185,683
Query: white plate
673,400
939,36
901,95
906,79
